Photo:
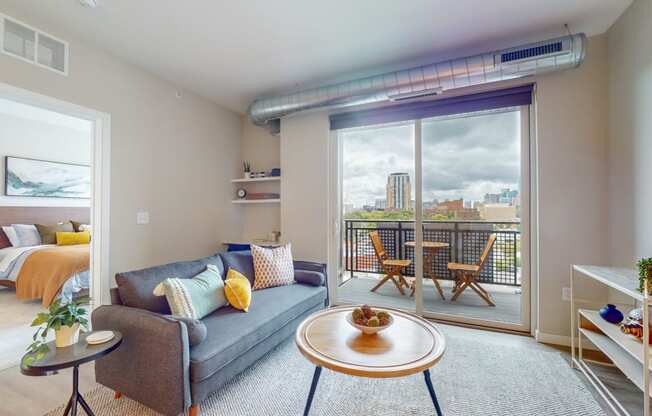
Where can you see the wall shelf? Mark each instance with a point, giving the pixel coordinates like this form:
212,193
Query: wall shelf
256,201
254,180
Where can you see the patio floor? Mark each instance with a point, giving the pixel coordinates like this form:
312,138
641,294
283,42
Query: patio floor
469,304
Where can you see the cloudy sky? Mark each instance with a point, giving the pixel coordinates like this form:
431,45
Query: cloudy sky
463,157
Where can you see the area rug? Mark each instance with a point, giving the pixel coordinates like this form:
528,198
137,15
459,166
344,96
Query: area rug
473,378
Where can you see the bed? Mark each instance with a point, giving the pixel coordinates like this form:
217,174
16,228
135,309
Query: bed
46,272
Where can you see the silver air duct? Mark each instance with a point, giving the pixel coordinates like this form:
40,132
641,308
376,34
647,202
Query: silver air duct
427,80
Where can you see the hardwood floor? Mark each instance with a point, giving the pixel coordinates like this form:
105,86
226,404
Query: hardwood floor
34,396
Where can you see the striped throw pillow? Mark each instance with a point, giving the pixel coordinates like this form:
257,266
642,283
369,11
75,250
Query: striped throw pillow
195,297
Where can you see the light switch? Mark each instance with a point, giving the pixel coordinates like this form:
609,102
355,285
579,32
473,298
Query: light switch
142,217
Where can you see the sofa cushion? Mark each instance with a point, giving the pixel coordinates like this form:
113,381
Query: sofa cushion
240,261
136,288
232,333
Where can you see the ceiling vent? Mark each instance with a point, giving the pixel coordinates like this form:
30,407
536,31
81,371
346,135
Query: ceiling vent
32,45
428,80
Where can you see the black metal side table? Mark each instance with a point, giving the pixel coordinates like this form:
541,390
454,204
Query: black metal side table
74,356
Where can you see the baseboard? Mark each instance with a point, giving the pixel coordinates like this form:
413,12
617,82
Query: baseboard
561,340
553,339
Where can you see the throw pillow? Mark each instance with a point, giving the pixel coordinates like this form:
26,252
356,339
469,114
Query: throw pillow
237,290
70,239
272,266
11,235
27,235
195,297
48,233
4,240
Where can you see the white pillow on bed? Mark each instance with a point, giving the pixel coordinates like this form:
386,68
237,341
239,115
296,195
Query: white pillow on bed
11,235
27,235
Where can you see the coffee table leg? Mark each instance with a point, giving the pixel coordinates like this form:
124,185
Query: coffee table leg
431,390
313,387
67,411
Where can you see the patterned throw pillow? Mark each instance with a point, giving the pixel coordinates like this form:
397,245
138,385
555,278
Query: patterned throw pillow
196,297
272,266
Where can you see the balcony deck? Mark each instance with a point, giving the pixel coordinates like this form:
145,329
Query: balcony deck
507,298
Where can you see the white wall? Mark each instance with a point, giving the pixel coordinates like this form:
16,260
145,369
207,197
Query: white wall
33,138
304,189
572,138
630,132
171,156
262,149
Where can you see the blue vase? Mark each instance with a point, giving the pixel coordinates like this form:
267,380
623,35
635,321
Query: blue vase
610,314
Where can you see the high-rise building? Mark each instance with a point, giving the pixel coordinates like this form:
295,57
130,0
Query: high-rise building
399,191
381,204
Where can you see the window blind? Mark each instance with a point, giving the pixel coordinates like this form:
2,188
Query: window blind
509,97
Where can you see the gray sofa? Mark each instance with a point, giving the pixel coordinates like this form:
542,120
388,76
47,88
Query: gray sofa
169,364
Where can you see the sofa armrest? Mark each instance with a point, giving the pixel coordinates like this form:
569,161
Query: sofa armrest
152,365
311,266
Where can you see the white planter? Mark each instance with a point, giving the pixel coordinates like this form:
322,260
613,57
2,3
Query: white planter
247,175
66,336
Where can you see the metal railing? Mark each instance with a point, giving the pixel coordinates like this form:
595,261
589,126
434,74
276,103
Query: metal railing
466,240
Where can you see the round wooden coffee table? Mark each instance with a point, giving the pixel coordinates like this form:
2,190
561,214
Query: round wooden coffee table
411,345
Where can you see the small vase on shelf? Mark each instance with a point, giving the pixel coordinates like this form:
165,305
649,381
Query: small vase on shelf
611,314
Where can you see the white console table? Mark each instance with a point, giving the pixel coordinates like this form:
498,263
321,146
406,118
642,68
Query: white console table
627,353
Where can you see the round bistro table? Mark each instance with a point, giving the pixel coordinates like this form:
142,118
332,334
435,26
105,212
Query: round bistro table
73,356
411,345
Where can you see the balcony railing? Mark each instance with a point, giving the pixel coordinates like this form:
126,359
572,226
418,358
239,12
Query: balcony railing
466,240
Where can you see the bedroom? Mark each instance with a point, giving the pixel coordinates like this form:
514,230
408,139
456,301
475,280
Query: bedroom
44,217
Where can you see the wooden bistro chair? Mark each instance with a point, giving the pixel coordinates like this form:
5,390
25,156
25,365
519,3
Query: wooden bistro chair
391,267
467,275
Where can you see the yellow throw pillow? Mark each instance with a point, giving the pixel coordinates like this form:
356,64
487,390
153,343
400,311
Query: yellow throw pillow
237,290
69,239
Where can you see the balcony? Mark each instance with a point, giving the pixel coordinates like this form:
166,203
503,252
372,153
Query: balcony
501,276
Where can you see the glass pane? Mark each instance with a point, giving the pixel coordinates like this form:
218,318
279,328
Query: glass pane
19,40
378,215
471,192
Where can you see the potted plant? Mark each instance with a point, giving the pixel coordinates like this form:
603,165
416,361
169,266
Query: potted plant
65,320
645,274
247,169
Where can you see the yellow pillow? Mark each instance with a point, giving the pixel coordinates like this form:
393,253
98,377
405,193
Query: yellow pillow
69,239
237,290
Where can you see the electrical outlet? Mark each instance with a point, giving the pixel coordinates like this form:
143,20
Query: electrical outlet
142,217
566,294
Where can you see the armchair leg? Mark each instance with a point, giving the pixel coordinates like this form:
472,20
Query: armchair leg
117,395
194,410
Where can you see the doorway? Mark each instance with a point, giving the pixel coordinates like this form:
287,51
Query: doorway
451,188
55,174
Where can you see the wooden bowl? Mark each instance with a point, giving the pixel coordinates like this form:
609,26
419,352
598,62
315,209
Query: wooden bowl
369,330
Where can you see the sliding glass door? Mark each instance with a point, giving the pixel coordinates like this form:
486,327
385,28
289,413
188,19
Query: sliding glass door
434,216
377,192
472,209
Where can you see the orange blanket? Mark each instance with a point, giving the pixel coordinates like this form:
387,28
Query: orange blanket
45,271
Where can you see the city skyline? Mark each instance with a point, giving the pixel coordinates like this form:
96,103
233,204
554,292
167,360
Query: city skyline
463,157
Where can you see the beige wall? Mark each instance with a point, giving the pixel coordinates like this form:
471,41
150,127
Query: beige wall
262,149
304,189
173,157
572,144
630,131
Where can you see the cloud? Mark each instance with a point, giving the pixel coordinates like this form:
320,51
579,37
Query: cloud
462,157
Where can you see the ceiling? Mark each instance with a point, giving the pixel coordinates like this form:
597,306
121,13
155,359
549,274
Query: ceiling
233,51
